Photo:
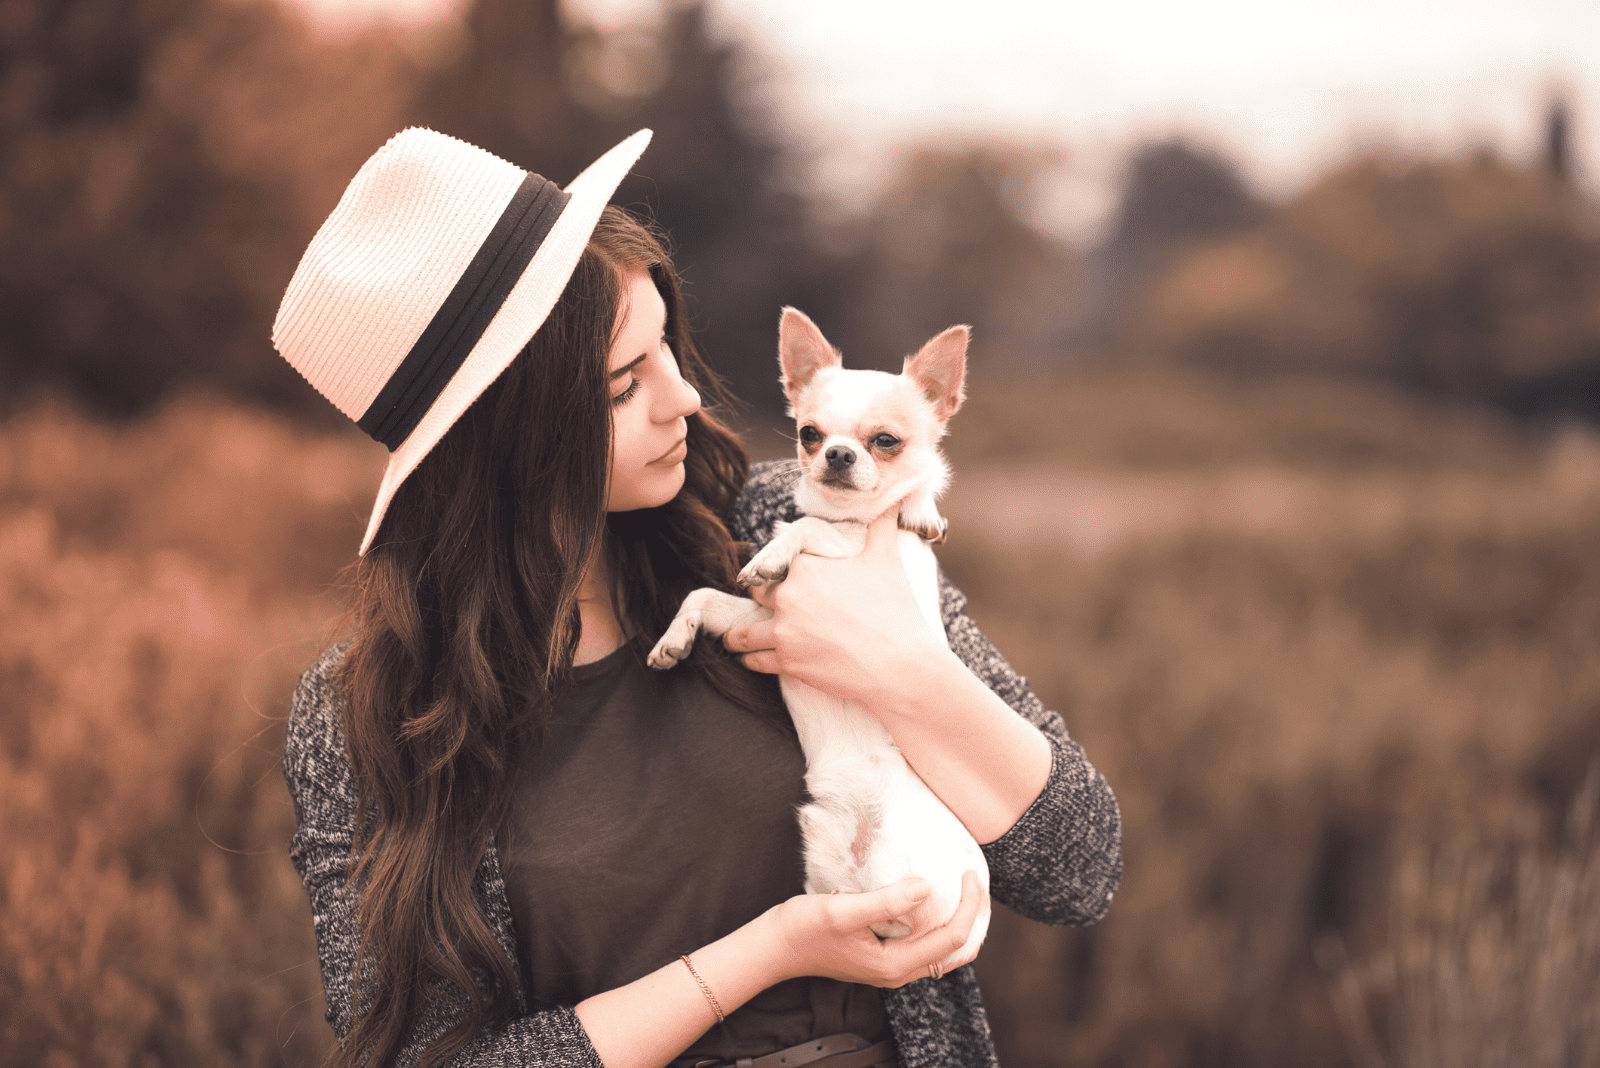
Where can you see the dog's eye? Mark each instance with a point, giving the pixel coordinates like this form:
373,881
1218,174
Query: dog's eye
810,435
885,441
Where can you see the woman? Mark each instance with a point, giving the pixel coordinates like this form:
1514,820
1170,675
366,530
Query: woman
524,848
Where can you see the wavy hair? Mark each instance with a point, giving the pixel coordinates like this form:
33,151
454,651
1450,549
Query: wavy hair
466,616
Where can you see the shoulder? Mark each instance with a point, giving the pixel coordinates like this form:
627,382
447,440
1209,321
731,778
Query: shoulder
314,749
768,498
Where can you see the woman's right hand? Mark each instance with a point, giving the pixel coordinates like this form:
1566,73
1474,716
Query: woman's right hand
651,1020
830,934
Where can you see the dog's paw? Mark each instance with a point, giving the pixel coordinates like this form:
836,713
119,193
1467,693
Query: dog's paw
765,569
674,645
753,577
933,531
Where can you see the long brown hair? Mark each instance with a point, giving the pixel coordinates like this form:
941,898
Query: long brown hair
467,623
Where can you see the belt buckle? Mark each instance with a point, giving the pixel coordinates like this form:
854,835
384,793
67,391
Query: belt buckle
816,1051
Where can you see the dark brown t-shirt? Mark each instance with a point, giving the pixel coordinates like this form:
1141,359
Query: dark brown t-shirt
657,817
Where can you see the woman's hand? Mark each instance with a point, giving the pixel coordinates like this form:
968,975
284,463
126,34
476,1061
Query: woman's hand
851,627
830,934
651,1020
848,626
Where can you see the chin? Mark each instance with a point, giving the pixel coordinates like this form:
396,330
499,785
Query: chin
650,490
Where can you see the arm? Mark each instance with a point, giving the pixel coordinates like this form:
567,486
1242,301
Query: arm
651,1020
646,1022
965,721
1061,861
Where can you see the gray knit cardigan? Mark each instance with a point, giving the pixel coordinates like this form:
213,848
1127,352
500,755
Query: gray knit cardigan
1059,864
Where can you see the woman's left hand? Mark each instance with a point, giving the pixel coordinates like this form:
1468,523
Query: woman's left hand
851,628
845,626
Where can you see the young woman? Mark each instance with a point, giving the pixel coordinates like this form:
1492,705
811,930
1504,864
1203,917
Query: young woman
522,846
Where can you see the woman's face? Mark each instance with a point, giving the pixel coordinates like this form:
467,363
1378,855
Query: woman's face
650,404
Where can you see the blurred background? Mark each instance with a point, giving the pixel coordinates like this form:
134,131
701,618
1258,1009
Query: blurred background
1280,476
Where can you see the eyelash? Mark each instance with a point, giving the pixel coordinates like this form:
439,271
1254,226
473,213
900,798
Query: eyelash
633,383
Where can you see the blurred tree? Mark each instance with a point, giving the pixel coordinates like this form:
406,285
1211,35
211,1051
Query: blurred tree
506,90
1176,195
1557,140
1471,277
162,164
545,93
713,179
947,245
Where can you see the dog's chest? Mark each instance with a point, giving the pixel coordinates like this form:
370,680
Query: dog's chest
832,730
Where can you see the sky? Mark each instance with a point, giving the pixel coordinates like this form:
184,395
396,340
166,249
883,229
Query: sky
1285,88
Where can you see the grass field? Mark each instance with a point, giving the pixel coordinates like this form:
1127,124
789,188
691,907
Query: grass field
1334,649
1337,654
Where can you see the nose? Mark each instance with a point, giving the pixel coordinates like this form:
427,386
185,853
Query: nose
840,456
679,401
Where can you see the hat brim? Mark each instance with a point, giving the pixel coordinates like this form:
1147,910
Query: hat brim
525,309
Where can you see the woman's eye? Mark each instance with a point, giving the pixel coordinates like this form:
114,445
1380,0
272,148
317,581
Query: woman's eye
886,441
627,394
810,435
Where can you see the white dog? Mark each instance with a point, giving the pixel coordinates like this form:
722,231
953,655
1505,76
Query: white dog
867,440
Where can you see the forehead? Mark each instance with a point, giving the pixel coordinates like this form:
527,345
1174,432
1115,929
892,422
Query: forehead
640,316
858,402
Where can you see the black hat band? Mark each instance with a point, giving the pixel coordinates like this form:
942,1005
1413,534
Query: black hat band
466,313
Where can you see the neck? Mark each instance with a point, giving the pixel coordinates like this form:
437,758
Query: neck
602,631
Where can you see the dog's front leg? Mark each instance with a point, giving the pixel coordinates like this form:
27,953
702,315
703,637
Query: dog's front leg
920,513
808,534
706,610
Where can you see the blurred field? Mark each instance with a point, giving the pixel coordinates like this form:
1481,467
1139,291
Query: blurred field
1336,652
1333,648
161,586
1332,643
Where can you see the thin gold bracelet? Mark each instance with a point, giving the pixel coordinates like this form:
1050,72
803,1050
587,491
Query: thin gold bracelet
706,990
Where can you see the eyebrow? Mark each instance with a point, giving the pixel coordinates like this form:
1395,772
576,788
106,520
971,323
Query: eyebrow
619,372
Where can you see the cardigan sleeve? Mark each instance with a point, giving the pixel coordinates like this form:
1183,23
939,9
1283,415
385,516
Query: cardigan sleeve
318,773
1062,860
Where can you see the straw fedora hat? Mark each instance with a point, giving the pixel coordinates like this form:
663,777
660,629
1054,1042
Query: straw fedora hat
439,263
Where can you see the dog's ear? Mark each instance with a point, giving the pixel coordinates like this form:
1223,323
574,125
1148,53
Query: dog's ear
940,370
802,351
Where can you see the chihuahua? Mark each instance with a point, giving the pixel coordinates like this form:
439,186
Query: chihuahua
868,441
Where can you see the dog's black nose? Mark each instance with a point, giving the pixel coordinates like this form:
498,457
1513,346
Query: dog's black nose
840,457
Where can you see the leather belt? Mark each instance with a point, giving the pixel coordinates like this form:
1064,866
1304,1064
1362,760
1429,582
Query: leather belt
834,1051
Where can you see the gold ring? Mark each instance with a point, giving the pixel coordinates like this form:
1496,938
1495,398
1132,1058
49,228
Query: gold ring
935,971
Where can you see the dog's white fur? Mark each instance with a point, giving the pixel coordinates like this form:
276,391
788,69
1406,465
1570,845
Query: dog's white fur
871,820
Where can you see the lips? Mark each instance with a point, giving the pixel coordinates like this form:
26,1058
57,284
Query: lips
674,454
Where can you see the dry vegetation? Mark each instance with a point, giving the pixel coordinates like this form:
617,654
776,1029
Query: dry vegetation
1344,750
1291,712
161,590
1492,955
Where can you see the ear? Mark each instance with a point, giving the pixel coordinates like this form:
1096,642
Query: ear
802,351
940,370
